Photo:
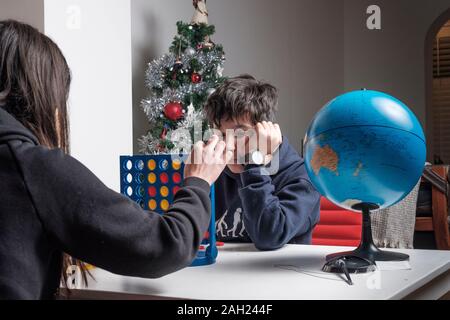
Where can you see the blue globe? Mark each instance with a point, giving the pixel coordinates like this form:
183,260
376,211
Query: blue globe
365,147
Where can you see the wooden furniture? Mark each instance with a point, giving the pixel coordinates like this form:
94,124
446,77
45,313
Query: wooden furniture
438,221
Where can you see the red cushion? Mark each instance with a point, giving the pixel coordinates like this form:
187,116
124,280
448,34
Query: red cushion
336,242
340,217
326,204
337,226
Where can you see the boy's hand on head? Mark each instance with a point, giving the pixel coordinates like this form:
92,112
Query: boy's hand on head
208,161
269,138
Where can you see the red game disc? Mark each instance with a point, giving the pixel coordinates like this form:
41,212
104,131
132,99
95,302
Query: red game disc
176,177
164,178
175,190
152,192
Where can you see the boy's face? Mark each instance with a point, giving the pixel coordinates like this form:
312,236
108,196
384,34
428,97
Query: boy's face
243,137
237,133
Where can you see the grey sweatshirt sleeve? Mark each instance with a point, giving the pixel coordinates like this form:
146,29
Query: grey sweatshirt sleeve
89,221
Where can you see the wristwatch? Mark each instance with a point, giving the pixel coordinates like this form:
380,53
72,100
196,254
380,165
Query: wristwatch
254,157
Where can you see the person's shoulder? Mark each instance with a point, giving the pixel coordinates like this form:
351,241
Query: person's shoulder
37,155
41,163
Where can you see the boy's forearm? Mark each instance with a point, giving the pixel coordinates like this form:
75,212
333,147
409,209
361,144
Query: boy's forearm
268,223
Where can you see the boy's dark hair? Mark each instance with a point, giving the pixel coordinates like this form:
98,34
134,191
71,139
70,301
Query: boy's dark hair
242,96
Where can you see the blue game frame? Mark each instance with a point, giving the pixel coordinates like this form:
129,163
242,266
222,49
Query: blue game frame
149,180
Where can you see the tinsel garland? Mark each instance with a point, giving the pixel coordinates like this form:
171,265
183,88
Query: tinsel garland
206,59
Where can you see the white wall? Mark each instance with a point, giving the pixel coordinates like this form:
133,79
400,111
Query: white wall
296,45
391,59
95,37
311,50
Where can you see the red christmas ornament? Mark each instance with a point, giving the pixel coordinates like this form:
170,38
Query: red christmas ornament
196,78
173,111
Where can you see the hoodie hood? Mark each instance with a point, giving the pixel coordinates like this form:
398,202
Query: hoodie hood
11,129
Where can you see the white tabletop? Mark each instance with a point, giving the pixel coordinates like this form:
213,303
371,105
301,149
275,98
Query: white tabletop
293,272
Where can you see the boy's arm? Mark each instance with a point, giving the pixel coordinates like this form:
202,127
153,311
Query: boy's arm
272,218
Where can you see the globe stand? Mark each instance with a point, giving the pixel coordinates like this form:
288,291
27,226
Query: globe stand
367,253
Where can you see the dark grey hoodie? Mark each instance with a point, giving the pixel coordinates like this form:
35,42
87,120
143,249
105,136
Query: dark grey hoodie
269,210
50,203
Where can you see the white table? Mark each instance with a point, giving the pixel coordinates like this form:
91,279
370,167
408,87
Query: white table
293,272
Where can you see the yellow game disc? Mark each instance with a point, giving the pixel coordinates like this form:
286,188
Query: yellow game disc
176,164
152,204
165,205
151,165
152,178
164,191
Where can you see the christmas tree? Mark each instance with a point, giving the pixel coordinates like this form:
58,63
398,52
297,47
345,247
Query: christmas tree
180,83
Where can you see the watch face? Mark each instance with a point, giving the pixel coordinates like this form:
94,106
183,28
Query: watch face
257,157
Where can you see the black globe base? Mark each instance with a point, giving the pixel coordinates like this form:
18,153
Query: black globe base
367,253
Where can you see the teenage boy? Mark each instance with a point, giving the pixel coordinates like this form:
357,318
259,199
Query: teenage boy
255,203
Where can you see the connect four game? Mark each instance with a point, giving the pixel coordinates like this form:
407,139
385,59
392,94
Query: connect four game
152,182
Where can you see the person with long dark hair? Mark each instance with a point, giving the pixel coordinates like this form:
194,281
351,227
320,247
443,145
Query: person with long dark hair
53,210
